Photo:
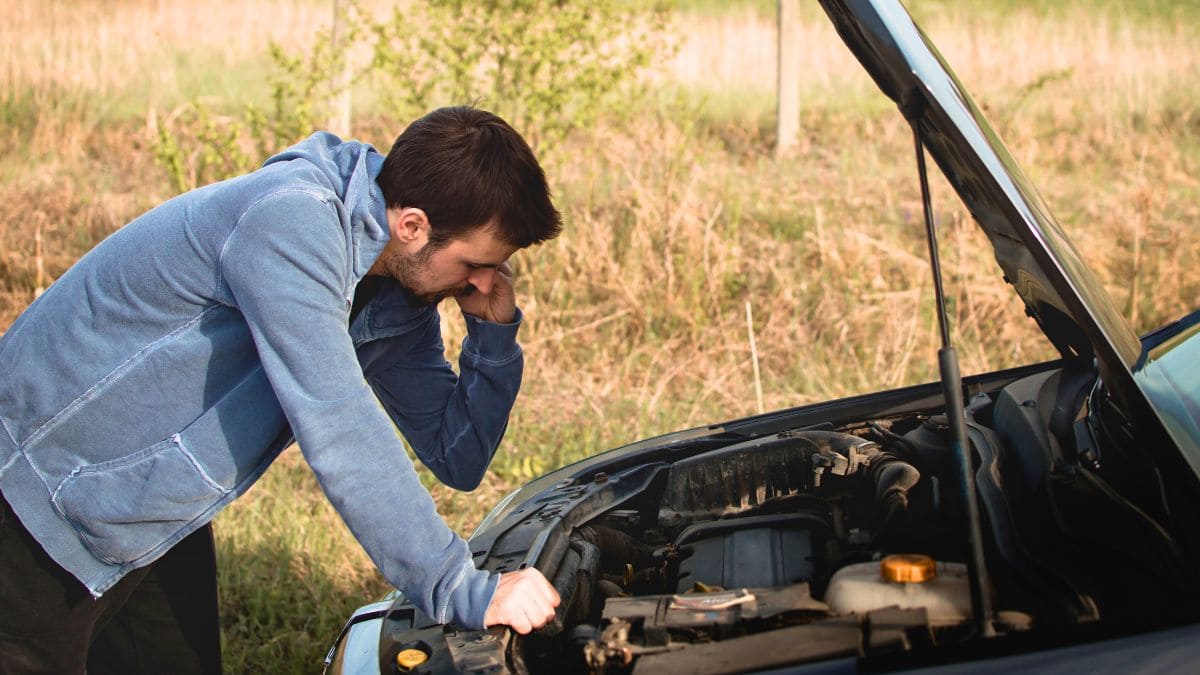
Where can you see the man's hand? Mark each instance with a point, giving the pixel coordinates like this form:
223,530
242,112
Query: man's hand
524,600
490,295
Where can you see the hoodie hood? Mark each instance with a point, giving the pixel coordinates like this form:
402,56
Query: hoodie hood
350,169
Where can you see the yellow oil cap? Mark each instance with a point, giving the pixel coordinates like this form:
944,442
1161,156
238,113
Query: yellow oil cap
408,659
909,568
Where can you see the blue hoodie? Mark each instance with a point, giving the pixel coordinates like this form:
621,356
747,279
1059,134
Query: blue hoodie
157,379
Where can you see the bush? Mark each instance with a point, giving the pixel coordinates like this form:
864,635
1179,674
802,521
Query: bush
548,67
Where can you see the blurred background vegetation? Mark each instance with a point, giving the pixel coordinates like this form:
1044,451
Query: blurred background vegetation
657,127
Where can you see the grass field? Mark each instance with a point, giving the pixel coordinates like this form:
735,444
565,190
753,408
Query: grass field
636,315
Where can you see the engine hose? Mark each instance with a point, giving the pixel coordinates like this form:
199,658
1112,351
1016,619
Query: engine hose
574,580
835,453
893,478
617,549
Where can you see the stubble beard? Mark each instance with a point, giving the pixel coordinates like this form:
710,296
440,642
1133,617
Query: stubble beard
407,270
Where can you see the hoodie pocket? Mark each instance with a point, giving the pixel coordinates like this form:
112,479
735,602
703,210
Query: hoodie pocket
128,508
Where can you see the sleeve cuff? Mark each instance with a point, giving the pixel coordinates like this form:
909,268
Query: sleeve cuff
493,342
472,599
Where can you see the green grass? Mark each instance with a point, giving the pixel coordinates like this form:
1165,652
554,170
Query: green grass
284,591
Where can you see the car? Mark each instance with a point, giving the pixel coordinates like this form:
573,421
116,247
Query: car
1044,517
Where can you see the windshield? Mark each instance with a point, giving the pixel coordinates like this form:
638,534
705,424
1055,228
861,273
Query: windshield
1169,375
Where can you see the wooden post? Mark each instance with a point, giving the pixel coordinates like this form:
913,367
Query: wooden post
787,115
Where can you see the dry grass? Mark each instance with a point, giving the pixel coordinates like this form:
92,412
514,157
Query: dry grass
99,48
1133,62
636,320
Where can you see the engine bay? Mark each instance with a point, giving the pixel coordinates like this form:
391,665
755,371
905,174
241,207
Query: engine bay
825,541
785,533
816,543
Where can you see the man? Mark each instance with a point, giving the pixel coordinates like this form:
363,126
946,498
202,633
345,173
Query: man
158,378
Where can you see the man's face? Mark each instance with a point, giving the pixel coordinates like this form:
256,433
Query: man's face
431,272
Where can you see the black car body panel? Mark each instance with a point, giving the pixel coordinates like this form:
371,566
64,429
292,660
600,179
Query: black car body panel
762,544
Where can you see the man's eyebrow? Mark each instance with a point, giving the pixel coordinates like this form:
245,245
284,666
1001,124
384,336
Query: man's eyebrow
474,263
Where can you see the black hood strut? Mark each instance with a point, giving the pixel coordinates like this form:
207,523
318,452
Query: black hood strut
952,389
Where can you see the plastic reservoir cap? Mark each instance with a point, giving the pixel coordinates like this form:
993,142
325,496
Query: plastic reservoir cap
408,659
908,568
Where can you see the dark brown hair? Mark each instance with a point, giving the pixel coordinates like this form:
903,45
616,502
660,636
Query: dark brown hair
464,168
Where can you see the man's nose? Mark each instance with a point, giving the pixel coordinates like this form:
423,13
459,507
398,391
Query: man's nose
482,279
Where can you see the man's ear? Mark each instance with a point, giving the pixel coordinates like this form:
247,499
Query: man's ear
409,226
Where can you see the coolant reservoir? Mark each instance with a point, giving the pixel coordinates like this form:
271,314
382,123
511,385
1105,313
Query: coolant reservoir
905,581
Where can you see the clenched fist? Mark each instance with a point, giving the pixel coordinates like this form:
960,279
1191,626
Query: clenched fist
524,601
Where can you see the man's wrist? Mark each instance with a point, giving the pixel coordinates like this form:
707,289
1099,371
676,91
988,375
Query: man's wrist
502,320
493,341
512,319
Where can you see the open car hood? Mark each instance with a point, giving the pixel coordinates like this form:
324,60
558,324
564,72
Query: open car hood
1059,292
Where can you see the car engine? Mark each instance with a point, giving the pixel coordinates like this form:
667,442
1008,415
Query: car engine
822,542
833,540
786,533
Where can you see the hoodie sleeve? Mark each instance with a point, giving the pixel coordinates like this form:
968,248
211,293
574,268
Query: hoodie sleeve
286,267
453,422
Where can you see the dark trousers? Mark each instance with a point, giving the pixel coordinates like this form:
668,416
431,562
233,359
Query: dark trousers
161,618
